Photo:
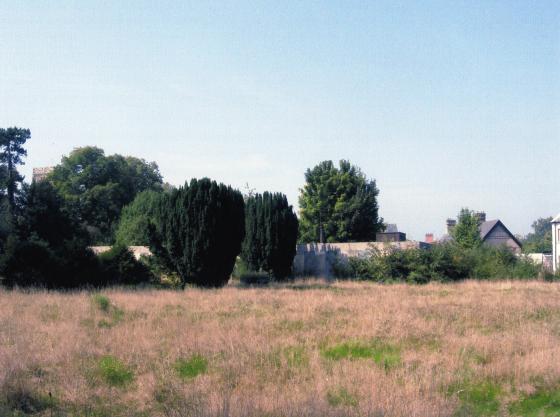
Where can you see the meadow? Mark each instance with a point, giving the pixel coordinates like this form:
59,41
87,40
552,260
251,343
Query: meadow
308,348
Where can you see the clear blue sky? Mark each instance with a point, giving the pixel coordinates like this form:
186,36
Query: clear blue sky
446,104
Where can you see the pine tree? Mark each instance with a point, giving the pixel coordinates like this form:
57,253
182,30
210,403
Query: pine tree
12,153
197,231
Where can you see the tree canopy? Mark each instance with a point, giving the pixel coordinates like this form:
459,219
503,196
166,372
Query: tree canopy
96,187
271,230
133,228
12,153
540,240
466,233
338,205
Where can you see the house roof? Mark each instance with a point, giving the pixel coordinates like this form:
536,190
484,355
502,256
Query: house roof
556,219
486,227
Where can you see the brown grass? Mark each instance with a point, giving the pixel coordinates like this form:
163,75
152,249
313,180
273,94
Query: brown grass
267,350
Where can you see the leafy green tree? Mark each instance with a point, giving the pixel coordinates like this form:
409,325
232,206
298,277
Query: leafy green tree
338,205
466,233
48,246
197,231
133,228
12,153
96,187
120,267
271,230
541,239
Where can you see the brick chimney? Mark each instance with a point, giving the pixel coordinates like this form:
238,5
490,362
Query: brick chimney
451,223
481,216
429,238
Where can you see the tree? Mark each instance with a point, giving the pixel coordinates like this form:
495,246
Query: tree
133,228
12,153
48,246
541,239
466,233
96,187
271,230
197,231
338,205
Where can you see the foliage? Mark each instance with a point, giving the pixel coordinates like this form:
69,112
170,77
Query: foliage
192,367
96,187
443,262
466,233
120,267
541,239
382,353
12,153
114,372
338,205
197,231
47,246
135,219
271,229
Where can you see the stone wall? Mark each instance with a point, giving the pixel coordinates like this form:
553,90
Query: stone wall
318,259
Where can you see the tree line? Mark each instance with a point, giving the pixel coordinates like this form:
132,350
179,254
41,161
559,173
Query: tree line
196,232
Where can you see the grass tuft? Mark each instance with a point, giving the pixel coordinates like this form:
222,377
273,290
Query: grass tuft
114,372
341,397
382,353
102,302
476,399
542,403
192,367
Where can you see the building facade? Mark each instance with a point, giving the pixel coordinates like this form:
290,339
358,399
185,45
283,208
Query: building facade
556,243
39,174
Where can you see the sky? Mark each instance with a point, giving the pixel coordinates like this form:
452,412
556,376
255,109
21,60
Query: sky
446,104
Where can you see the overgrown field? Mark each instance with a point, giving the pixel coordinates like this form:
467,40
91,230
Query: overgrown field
304,349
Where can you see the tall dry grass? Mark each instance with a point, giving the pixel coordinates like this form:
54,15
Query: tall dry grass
311,349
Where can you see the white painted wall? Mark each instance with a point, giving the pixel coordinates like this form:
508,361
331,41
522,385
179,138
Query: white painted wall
556,245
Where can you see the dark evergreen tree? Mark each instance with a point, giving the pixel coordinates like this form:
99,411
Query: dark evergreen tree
12,153
197,231
271,230
47,246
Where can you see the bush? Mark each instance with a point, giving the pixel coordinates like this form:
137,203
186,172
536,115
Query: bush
444,262
197,232
120,267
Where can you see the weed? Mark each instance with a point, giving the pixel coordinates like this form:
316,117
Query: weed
192,367
296,357
102,302
542,403
382,353
476,399
114,372
341,397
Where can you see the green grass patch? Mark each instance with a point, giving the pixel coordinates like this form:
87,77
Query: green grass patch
476,399
542,403
114,372
382,353
192,367
102,302
341,397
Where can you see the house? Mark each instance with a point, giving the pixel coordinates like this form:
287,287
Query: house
40,174
492,232
556,243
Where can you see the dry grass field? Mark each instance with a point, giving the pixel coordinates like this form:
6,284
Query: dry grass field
304,349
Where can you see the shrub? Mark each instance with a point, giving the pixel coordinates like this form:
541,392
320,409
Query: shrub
197,231
120,267
443,262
